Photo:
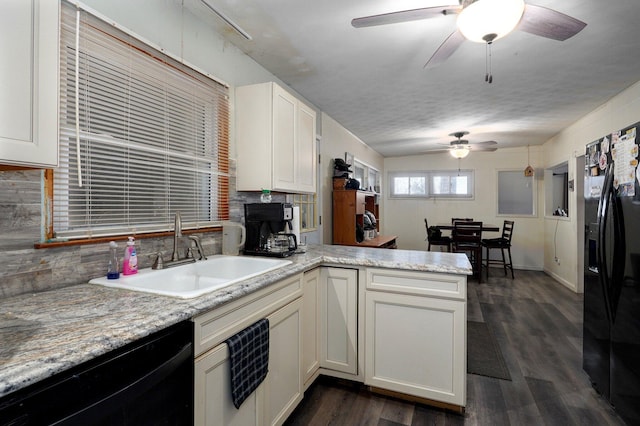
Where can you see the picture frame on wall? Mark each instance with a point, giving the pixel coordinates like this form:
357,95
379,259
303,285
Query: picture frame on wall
348,158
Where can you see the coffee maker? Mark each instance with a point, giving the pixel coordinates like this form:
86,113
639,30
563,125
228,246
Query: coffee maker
266,224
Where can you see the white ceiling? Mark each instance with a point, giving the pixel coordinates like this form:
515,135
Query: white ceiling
372,80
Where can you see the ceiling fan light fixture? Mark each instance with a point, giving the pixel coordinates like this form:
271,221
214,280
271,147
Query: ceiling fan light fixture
484,17
459,152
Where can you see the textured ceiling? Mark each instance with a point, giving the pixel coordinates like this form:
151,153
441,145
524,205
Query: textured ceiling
372,80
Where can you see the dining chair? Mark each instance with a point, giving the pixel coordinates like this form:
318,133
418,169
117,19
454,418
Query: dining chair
502,243
436,239
461,219
467,238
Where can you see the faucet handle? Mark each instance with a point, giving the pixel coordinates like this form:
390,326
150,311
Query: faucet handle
158,263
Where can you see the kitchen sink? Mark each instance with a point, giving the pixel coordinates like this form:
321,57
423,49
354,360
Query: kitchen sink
195,279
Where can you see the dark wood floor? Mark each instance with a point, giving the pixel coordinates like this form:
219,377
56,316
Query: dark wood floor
538,324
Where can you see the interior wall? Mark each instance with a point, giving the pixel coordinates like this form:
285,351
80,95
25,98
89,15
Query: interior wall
405,217
336,140
569,145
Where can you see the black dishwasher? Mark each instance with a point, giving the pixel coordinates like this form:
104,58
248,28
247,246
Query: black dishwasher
147,382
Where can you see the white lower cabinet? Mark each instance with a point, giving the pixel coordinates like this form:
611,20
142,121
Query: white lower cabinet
416,343
281,391
310,326
407,328
213,403
339,320
283,385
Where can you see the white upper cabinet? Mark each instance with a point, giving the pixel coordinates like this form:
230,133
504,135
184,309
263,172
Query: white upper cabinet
276,146
29,82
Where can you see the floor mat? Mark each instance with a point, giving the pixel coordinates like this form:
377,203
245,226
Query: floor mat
484,356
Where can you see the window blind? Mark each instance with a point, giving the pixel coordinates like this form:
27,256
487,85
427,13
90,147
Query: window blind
151,137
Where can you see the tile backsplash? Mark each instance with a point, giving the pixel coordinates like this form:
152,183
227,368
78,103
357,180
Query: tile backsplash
24,269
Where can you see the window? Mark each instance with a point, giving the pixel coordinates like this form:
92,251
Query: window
307,204
368,176
142,137
432,184
516,193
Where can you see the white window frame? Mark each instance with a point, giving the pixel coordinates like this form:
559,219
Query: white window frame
429,176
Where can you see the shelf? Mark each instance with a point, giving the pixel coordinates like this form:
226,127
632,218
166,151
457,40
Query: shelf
349,206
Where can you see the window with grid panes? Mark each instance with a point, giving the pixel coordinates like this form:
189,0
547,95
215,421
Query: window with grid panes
432,184
307,204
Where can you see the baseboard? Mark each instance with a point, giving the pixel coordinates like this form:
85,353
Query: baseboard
567,284
516,268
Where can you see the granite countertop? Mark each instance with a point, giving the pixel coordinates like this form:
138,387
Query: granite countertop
44,333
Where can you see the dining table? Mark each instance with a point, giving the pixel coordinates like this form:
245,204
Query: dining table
486,227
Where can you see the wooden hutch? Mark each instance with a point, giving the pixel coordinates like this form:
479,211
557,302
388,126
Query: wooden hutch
349,206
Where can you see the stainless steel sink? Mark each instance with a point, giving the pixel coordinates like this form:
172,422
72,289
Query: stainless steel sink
195,279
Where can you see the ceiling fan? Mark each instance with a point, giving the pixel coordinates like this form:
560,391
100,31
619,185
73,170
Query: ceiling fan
460,148
484,21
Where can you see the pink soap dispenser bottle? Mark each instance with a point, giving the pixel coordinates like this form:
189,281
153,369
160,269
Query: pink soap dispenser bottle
130,262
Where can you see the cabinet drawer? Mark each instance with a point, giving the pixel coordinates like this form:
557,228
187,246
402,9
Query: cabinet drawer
219,324
418,283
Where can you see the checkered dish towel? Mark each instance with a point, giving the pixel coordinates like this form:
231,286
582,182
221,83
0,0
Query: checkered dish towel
249,353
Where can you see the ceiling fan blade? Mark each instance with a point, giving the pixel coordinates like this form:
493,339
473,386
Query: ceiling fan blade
405,16
445,50
549,23
485,148
485,143
436,151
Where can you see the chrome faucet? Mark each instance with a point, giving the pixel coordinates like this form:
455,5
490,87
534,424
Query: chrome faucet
175,256
177,234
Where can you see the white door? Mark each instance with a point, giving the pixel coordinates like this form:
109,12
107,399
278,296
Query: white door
29,83
416,345
213,403
284,140
306,146
338,319
283,385
310,326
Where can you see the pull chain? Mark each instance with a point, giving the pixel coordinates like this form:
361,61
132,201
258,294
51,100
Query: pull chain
488,77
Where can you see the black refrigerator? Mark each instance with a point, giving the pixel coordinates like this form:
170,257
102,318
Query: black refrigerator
611,334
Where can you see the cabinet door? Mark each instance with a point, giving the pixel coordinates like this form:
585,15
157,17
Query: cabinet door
416,345
283,385
310,325
284,152
339,317
306,145
29,84
213,403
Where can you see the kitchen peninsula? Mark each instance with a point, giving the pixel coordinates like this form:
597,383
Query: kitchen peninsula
49,332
